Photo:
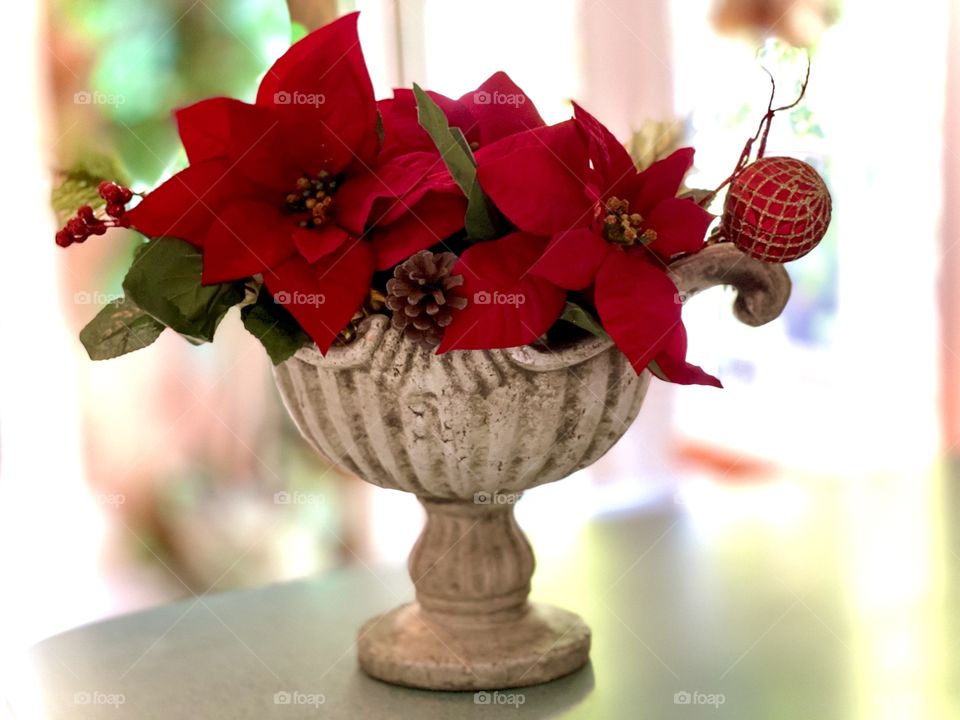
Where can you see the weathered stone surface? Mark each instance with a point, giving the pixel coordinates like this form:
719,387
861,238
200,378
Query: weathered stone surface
450,426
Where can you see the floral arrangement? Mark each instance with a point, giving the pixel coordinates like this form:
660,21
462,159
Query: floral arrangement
470,221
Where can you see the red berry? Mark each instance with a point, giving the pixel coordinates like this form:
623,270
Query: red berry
126,194
76,227
777,209
115,209
85,213
64,238
110,192
99,229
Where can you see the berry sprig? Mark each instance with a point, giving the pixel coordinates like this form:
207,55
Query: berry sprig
86,223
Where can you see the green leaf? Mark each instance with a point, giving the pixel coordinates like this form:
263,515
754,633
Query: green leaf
78,185
458,158
575,314
461,140
479,221
164,280
456,154
119,328
276,329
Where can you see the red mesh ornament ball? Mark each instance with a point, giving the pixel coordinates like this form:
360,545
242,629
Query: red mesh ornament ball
777,209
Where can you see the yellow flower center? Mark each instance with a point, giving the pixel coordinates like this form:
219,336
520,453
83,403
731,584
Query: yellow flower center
621,227
314,196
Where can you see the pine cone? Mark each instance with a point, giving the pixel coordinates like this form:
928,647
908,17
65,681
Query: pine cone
419,295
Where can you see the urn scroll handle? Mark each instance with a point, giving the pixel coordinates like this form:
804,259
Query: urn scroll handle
762,288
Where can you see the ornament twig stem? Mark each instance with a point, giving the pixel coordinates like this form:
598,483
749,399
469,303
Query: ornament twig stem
762,133
771,111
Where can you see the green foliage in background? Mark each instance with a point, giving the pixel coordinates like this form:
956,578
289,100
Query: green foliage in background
145,59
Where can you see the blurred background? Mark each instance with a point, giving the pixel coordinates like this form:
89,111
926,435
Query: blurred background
133,482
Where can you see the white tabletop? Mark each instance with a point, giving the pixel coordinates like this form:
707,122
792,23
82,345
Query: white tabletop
761,621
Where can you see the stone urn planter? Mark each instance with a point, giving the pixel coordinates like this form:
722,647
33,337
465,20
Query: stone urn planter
468,432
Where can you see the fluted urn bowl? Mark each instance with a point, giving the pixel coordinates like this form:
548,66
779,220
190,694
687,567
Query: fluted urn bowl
467,432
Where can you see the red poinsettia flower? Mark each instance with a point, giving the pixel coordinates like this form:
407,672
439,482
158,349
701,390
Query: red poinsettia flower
490,115
496,109
608,230
508,305
292,186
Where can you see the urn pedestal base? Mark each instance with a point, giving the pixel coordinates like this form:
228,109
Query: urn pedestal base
406,647
472,627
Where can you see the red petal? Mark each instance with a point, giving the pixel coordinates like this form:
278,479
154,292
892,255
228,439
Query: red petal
388,181
270,146
324,295
205,128
248,237
314,143
315,243
661,181
185,205
638,305
539,187
436,182
257,147
615,169
572,259
273,146
506,306
681,227
565,139
501,108
436,217
674,366
324,74
402,132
